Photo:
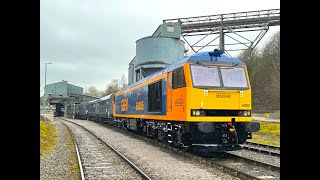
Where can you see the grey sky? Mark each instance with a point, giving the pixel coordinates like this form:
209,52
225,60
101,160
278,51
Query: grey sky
91,42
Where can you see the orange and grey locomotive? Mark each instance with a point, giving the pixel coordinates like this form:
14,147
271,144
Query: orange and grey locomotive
202,102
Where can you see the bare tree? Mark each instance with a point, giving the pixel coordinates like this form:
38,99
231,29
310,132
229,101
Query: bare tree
271,55
115,85
264,72
112,87
93,91
123,81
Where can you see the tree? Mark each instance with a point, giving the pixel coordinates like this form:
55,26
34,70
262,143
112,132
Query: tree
264,73
93,91
271,55
41,100
115,85
123,81
112,87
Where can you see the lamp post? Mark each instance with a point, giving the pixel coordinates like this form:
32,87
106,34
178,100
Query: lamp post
45,82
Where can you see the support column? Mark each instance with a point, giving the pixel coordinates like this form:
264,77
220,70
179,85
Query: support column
221,38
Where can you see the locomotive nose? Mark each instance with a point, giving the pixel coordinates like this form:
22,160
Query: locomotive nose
205,127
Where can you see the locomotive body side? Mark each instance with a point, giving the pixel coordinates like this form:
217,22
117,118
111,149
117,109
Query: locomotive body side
139,101
152,99
81,112
91,110
104,108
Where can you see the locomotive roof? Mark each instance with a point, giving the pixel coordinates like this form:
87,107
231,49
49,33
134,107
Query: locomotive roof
105,97
197,57
92,101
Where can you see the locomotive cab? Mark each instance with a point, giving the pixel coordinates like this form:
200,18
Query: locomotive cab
217,102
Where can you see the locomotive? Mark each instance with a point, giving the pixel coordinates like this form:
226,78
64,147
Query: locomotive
202,102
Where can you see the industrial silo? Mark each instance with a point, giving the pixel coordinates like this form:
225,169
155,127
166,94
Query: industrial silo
158,51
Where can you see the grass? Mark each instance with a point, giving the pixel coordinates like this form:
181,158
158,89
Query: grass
48,143
269,133
48,137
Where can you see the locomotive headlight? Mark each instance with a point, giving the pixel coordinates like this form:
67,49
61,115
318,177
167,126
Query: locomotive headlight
198,112
245,113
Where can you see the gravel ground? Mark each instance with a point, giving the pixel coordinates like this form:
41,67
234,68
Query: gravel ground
155,162
57,165
268,159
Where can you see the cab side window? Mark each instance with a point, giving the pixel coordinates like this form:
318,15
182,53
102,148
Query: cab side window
155,96
178,79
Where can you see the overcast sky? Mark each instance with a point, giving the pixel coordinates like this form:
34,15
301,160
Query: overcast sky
91,42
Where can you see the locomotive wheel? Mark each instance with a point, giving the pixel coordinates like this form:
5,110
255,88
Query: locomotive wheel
185,148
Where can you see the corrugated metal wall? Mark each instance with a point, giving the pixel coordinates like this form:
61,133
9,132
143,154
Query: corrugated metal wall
156,52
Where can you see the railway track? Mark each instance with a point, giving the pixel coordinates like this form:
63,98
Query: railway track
251,168
263,148
251,161
98,159
264,145
77,151
227,164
